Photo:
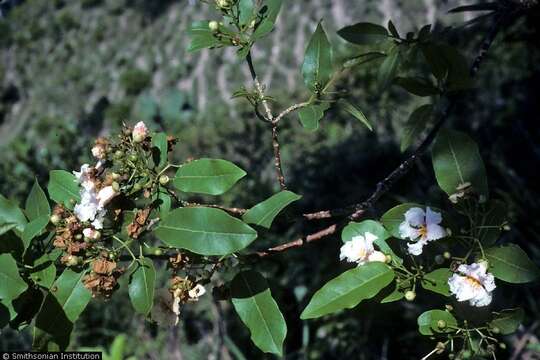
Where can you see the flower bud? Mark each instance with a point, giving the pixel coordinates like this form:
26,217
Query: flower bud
441,324
388,259
502,345
140,131
223,4
495,330
213,25
72,260
115,176
137,187
115,186
55,219
447,255
99,152
484,263
118,154
410,295
158,252
449,307
133,157
164,179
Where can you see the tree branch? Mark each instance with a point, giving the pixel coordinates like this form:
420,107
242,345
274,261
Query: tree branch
277,158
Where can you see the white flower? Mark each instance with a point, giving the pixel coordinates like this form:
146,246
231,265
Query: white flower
91,234
197,292
84,177
88,207
360,250
98,151
472,283
421,226
105,195
140,131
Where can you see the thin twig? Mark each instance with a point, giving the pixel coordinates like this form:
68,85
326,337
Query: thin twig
259,88
289,110
230,210
277,158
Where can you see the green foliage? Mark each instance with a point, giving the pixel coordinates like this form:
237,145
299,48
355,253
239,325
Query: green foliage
33,229
437,281
415,125
36,203
457,161
349,289
263,214
317,67
269,13
417,85
11,217
208,176
205,231
511,264
141,286
395,216
44,270
311,115
508,321
201,36
357,113
389,67
159,141
363,33
63,188
428,322
11,283
253,302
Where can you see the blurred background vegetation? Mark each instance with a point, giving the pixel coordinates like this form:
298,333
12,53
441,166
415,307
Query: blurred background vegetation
73,70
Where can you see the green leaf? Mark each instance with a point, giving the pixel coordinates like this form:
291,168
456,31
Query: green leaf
141,286
489,221
354,229
437,281
436,61
456,161
11,283
363,59
396,295
63,187
317,67
417,85
245,15
389,67
427,322
208,176
395,216
36,203
263,214
448,63
62,306
33,229
483,6
349,289
11,217
392,29
201,36
253,302
511,264
415,125
205,231
44,271
357,113
159,141
363,33
311,115
508,321
270,12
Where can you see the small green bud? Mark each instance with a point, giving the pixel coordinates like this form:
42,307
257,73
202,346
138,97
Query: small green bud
158,252
112,256
118,154
495,330
115,176
388,259
451,356
78,237
449,307
164,179
133,157
466,354
72,260
447,255
213,25
137,187
441,324
55,219
115,186
223,4
502,345
410,295
252,24
484,262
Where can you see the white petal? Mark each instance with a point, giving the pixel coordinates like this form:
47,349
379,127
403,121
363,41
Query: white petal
370,238
197,291
482,300
406,231
415,216
105,195
435,232
377,256
461,287
432,217
415,248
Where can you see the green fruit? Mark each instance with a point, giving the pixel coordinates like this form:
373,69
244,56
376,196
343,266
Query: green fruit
441,324
410,295
55,219
163,179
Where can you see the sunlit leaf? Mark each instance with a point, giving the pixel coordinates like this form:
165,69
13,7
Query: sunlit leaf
511,264
141,286
317,66
63,188
363,33
264,213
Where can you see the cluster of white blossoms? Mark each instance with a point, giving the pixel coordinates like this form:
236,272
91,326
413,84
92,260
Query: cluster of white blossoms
91,208
421,227
472,283
360,250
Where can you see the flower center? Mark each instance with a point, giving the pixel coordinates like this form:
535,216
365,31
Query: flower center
474,282
362,253
422,230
